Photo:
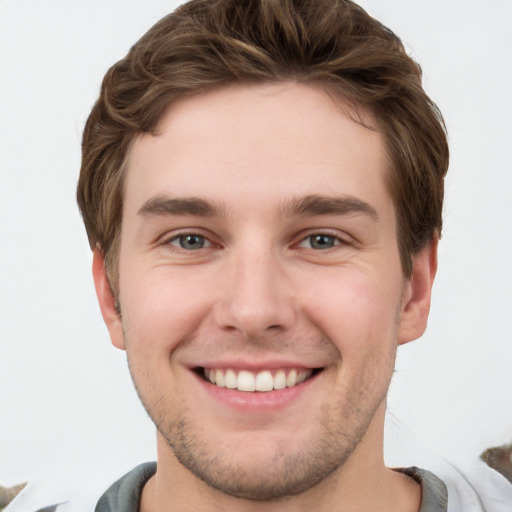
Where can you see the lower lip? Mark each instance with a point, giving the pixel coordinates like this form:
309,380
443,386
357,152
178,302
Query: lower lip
257,400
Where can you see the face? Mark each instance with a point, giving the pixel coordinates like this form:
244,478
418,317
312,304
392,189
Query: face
261,292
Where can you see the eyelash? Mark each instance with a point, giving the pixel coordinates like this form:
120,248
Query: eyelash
318,235
177,241
180,237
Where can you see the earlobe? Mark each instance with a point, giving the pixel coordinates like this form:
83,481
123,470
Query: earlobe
107,300
417,292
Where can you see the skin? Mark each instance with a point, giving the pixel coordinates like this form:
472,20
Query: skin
273,166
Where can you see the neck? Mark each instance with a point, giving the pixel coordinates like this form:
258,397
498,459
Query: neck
362,483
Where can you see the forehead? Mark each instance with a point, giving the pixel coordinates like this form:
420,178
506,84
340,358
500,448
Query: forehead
277,141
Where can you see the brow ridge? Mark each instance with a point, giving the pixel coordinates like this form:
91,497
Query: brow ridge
302,206
195,206
326,205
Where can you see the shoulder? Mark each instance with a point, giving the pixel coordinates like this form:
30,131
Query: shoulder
471,485
124,494
479,486
476,488
70,493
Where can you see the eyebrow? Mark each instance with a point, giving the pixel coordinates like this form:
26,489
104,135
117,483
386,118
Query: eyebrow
303,207
181,206
325,205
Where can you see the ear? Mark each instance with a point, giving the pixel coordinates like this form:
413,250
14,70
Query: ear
107,300
417,293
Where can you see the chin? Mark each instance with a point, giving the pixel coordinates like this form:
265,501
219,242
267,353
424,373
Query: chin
261,466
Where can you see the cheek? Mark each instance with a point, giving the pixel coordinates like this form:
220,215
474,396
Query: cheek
161,310
356,311
361,321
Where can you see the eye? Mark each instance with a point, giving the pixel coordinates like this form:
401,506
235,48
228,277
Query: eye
190,241
320,241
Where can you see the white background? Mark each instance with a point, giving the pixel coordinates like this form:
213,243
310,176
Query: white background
65,394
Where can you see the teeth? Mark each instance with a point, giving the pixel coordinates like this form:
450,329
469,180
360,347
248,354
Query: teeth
261,381
280,380
291,380
230,379
219,378
264,381
301,377
246,381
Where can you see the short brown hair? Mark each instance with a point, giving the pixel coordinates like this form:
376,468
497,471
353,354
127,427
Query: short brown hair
206,44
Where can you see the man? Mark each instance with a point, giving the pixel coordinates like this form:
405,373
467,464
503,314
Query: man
262,186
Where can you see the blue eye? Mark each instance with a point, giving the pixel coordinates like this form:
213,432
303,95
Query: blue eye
321,241
190,242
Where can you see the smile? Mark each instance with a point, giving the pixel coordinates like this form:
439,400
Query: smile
262,381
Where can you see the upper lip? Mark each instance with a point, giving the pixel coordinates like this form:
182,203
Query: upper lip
255,365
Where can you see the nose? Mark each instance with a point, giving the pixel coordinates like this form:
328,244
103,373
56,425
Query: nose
256,298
